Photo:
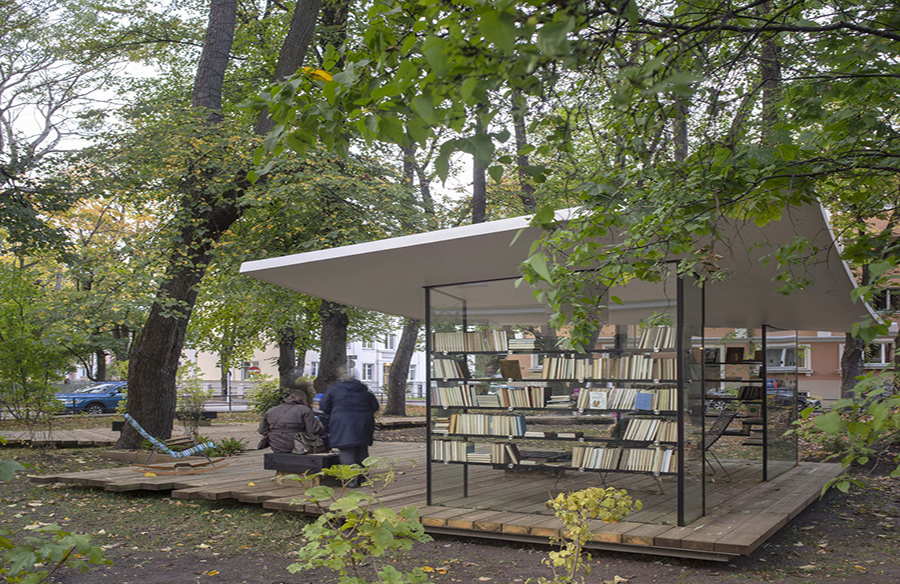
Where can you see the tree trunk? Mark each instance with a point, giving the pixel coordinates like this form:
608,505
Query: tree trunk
225,368
100,374
333,354
288,371
526,188
396,389
851,363
479,193
157,349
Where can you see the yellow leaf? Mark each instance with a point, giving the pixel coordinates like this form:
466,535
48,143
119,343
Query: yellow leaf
317,74
149,474
428,569
442,570
213,572
251,484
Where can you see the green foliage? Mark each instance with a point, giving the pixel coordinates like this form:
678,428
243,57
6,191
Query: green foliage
576,510
30,362
857,430
32,560
228,447
37,556
354,532
266,393
192,397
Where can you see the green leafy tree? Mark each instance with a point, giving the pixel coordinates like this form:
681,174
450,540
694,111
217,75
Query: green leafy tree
30,359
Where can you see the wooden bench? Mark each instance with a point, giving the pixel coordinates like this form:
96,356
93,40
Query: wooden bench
204,418
298,463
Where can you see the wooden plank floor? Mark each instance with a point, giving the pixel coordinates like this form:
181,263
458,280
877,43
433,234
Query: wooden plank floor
741,514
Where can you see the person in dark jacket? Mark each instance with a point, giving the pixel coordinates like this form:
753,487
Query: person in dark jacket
351,409
282,422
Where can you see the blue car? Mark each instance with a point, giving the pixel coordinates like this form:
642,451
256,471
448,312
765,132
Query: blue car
97,398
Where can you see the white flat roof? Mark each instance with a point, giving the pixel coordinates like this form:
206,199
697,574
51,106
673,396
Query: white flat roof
390,275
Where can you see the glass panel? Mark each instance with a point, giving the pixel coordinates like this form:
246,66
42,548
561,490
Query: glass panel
781,401
733,387
515,419
692,412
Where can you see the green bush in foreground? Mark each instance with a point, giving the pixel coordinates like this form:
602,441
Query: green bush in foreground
354,532
37,556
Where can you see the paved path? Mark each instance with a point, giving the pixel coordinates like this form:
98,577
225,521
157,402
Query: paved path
107,438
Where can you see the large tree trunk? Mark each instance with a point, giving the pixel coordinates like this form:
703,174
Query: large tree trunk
851,363
288,368
526,188
157,349
396,389
333,354
100,356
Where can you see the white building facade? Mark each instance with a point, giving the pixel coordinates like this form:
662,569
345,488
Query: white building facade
369,361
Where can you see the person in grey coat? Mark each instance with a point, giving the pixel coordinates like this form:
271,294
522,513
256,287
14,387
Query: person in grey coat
280,423
351,425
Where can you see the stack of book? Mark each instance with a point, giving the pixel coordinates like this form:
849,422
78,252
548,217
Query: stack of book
562,402
527,344
487,400
650,429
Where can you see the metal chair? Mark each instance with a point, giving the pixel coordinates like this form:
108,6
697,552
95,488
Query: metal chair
712,435
160,446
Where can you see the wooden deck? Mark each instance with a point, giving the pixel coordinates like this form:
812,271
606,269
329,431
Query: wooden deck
741,515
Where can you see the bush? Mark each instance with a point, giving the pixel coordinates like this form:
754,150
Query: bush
229,447
192,397
265,394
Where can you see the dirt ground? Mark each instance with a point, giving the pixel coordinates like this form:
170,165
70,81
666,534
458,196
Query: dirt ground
843,538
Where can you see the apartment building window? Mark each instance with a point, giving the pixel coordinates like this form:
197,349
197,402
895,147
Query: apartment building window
412,372
314,369
368,345
887,300
787,358
390,343
368,371
879,354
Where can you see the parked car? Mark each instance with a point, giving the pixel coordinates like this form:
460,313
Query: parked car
97,398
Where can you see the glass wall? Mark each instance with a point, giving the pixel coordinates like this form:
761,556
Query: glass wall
781,361
515,417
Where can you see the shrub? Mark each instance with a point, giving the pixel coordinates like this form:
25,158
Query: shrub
354,531
229,447
192,397
265,394
576,510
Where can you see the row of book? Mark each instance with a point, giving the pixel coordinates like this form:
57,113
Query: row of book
750,392
451,450
516,397
656,337
654,460
449,369
482,424
487,340
628,398
650,429
627,367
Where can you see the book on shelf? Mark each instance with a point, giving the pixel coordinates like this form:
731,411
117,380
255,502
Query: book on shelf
487,424
643,400
512,452
524,344
655,337
450,369
457,396
451,450
568,434
538,434
559,402
510,369
459,342
597,400
487,400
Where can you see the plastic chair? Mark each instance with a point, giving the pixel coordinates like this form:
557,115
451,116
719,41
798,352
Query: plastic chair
712,435
160,446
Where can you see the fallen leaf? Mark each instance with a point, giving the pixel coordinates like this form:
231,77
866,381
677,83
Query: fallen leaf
212,572
251,484
428,569
149,474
